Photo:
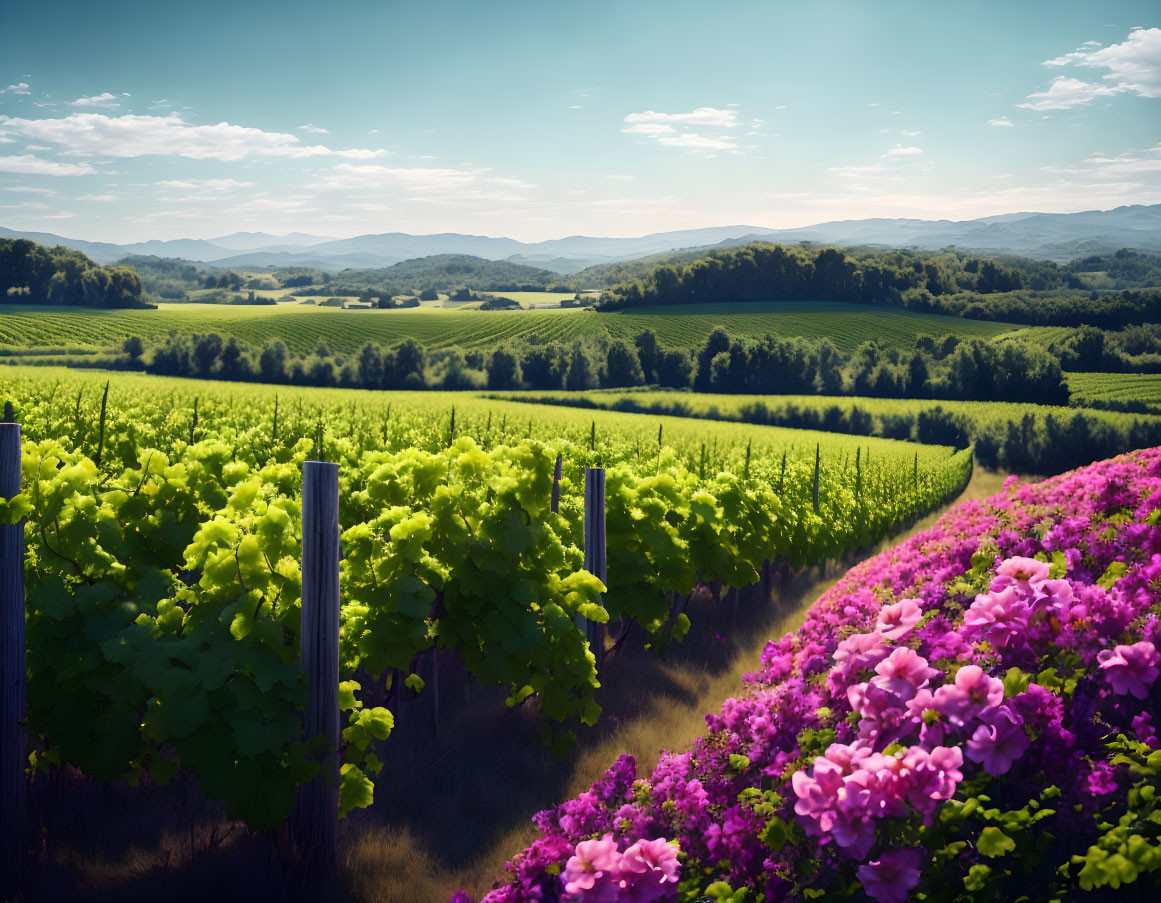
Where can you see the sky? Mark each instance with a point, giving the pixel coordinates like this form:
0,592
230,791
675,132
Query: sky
128,121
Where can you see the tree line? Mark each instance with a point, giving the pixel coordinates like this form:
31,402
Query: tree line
1015,290
33,274
951,368
1032,442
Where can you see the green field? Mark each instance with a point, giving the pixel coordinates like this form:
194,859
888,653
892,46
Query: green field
349,412
1119,391
303,326
846,325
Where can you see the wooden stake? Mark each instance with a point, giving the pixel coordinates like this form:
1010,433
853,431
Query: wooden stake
595,560
13,757
317,803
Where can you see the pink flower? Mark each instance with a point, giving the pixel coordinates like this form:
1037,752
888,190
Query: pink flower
895,621
998,616
592,873
999,741
972,691
646,868
1130,669
903,673
1027,573
861,650
978,687
892,876
932,776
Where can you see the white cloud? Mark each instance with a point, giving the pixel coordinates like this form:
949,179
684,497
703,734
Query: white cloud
138,136
97,100
97,197
686,130
859,170
909,134
1133,65
701,116
313,129
650,128
205,184
699,142
27,163
1002,121
21,88
1065,92
1131,164
433,184
26,189
900,151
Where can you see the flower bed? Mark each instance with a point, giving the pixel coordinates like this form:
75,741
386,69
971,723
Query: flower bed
967,716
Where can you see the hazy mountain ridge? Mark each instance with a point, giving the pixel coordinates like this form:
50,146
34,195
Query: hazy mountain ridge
1056,236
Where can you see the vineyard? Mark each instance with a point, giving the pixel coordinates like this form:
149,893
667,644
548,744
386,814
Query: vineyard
1118,391
303,327
164,538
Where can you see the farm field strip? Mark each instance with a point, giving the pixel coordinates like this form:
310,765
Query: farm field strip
1117,388
302,327
734,407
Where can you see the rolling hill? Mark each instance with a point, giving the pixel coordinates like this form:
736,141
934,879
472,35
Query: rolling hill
1056,236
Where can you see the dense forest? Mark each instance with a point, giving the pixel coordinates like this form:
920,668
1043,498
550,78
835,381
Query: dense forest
33,274
1011,289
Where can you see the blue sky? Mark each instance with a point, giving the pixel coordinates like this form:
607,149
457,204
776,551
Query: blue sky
128,120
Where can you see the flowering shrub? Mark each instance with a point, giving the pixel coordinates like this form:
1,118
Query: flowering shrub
968,716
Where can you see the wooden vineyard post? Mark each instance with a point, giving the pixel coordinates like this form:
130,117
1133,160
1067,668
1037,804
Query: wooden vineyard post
317,803
554,504
12,673
817,459
595,562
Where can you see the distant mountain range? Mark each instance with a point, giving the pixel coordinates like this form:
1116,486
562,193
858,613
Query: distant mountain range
1056,236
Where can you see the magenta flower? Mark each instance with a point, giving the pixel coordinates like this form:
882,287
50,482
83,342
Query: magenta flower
999,616
1027,573
895,621
1144,730
904,672
932,776
999,741
649,870
972,692
891,878
1130,669
1101,780
592,874
862,650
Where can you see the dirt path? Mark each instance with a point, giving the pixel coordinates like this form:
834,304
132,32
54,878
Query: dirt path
650,704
